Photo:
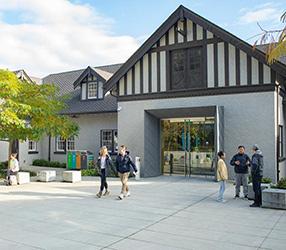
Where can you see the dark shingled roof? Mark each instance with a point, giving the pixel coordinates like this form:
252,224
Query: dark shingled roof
76,106
263,48
65,80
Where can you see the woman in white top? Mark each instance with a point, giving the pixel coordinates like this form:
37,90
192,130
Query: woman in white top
104,164
13,167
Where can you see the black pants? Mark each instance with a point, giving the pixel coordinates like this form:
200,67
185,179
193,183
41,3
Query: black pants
103,180
256,183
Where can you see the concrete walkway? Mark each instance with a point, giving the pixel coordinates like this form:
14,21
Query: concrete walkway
162,213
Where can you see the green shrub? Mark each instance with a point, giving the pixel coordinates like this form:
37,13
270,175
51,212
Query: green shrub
266,180
89,172
281,184
45,163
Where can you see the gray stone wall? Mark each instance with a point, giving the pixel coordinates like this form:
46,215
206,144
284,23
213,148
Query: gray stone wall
248,119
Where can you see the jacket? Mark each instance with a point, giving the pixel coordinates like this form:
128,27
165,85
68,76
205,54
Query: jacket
108,164
124,163
242,168
222,174
257,164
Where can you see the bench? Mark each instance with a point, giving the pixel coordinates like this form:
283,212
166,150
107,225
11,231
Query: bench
72,176
47,175
23,178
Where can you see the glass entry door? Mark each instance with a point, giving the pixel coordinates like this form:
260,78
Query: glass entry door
188,146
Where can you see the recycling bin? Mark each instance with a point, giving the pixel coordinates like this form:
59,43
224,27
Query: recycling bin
79,159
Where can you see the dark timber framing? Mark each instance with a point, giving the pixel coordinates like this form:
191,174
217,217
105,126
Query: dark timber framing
141,75
249,70
125,84
187,44
201,92
272,76
180,13
194,31
149,72
237,66
133,80
185,30
176,33
205,60
158,71
260,73
226,64
215,65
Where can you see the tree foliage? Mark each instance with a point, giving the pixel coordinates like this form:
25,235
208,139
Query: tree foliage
30,111
276,40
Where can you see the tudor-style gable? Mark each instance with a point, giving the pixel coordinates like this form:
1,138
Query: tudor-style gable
188,54
91,83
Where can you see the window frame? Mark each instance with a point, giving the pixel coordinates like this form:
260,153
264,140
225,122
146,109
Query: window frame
114,147
34,149
187,76
92,82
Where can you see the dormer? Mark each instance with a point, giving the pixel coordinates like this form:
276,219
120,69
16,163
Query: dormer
91,83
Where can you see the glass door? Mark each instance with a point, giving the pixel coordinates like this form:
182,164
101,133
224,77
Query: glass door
188,146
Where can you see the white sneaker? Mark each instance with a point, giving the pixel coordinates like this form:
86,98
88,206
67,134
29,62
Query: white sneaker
127,194
121,196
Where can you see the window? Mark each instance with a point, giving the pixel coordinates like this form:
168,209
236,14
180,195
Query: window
187,68
109,139
60,144
63,145
92,90
281,142
32,146
70,143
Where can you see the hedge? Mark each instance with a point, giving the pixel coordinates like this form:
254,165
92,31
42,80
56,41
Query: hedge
51,164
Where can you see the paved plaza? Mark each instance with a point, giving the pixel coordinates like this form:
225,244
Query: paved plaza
162,213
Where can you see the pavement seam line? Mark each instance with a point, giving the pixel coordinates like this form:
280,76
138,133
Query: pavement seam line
271,230
160,220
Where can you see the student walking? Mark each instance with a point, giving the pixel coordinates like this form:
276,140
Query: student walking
241,161
222,175
104,164
13,168
124,164
256,174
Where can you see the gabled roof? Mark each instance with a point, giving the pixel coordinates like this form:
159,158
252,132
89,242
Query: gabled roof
23,75
75,106
65,80
97,72
180,13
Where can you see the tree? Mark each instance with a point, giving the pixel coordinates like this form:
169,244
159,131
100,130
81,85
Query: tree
277,41
30,111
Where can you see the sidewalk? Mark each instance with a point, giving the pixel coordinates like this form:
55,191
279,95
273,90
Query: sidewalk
162,213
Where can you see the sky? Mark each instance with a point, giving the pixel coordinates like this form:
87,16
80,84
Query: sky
44,37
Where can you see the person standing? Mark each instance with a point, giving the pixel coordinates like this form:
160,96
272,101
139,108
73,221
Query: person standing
104,164
13,167
256,174
124,164
222,175
241,161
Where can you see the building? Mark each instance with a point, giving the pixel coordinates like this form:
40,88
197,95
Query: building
190,90
211,89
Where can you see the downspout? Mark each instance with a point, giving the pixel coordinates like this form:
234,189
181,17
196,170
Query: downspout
277,136
49,151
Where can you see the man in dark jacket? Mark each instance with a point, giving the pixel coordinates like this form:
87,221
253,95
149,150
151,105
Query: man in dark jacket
256,174
241,161
124,164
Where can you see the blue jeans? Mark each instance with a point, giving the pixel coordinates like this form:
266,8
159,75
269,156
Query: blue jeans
221,190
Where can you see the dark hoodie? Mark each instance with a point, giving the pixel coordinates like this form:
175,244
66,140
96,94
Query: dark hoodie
257,163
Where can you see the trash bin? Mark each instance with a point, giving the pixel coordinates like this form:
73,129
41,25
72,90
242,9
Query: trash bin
79,159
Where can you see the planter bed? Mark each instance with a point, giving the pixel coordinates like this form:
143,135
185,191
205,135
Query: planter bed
274,198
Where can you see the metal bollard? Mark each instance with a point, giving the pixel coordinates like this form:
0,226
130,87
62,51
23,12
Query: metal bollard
137,163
